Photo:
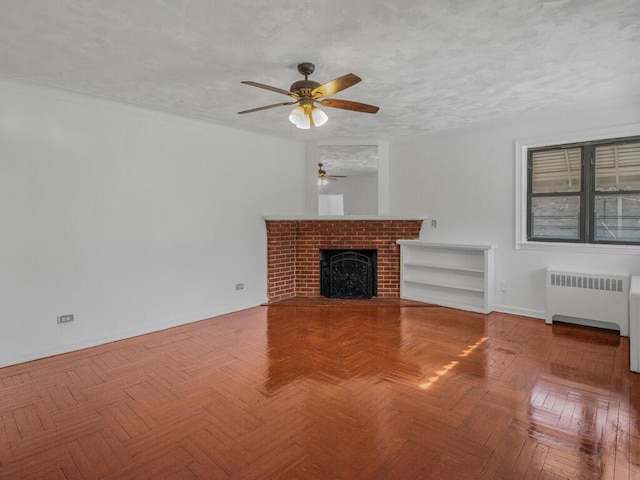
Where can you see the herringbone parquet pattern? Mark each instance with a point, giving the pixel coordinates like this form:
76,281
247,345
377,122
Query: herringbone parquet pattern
330,392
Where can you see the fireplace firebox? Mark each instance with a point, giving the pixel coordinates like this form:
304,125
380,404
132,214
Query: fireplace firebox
348,273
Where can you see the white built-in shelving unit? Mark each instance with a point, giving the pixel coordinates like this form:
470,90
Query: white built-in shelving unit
451,275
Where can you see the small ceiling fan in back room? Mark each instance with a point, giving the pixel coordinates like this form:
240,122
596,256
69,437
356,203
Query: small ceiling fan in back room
323,177
306,93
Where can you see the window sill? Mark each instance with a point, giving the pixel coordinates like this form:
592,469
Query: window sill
580,248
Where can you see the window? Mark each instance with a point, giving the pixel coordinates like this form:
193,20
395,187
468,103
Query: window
585,192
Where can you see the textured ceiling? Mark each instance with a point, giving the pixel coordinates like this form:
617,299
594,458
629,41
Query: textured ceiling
428,64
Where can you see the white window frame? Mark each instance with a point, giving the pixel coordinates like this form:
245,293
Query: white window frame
522,147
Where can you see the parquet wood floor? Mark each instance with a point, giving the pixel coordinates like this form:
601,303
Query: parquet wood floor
326,392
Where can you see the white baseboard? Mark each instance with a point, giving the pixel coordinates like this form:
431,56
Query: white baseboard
525,312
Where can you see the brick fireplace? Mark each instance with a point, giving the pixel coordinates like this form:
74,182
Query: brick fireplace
293,251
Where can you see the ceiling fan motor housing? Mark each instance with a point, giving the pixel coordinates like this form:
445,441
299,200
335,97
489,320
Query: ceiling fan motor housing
303,87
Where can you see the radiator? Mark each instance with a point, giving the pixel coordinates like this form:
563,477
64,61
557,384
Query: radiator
595,300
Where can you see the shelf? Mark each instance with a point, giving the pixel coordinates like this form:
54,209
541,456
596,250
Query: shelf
444,285
451,246
445,267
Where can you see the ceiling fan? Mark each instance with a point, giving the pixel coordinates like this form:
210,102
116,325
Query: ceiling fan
323,178
307,93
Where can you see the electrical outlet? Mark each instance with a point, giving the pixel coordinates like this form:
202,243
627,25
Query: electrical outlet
434,223
239,286
65,318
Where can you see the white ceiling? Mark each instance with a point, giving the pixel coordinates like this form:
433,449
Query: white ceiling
428,64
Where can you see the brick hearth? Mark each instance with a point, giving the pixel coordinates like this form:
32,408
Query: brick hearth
293,252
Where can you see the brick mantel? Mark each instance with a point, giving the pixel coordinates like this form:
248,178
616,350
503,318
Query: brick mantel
293,250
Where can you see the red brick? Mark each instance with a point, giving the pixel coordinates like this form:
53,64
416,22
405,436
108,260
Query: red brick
293,249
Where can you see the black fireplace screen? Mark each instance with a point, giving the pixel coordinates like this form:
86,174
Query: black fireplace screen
348,273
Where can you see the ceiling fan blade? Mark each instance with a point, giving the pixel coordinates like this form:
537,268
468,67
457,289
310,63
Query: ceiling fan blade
267,107
348,105
336,85
336,176
270,88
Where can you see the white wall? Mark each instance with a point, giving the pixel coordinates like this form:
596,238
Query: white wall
360,193
465,180
132,220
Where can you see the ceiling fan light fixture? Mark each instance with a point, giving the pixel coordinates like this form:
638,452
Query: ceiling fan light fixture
304,116
305,125
299,118
319,117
